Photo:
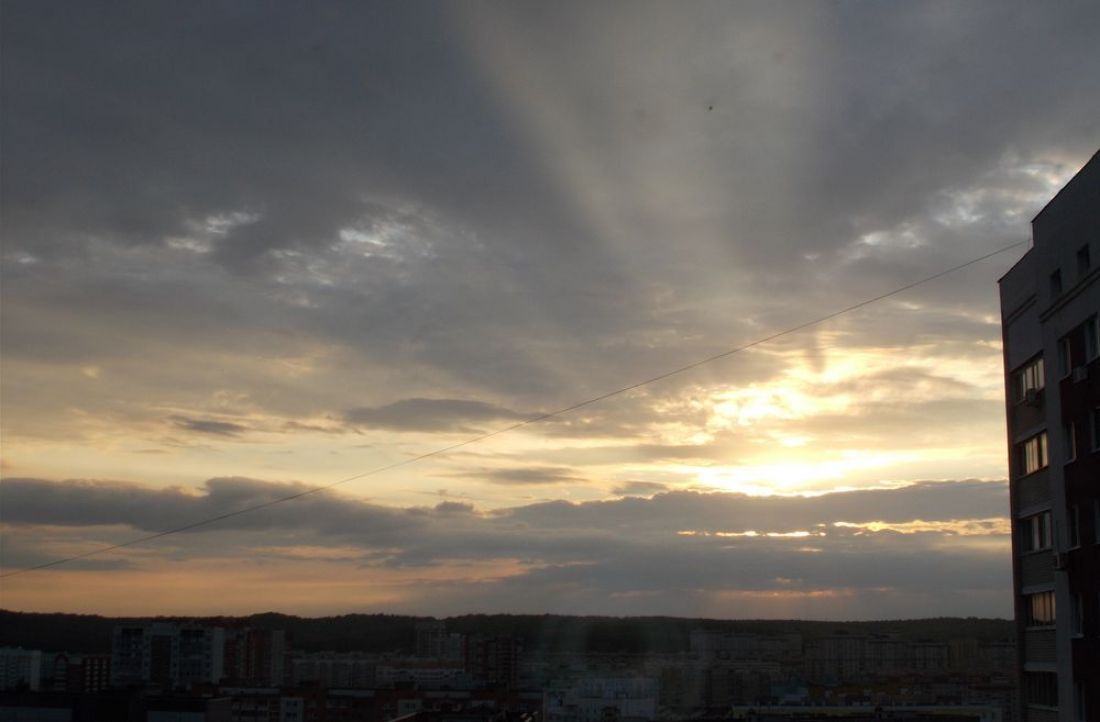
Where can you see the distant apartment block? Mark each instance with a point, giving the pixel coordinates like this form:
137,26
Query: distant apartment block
1050,302
493,661
115,706
167,654
433,641
255,657
352,670
20,668
856,713
423,674
845,658
599,699
80,672
712,646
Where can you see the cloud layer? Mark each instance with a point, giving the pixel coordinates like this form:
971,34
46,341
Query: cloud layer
640,555
306,243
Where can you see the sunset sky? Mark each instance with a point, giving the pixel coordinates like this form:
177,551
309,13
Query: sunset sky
253,248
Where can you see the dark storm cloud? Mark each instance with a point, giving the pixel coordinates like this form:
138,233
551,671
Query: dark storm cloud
430,415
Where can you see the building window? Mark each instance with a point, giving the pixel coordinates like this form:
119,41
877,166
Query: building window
1056,284
1031,378
1084,263
1041,688
1039,609
1069,440
1077,610
1096,521
1095,424
1036,532
1065,356
1033,454
1073,526
1092,341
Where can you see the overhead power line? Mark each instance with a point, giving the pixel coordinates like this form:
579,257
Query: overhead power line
517,425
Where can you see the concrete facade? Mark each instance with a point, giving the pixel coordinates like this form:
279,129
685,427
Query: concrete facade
1050,304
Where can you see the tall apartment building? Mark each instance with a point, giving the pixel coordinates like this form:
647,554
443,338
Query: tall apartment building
493,661
1050,302
433,641
166,654
255,657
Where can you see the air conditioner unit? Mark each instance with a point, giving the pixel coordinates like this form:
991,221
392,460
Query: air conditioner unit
1033,397
1080,374
1061,560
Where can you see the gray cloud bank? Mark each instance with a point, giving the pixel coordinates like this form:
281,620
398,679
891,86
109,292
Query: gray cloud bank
574,555
476,214
224,220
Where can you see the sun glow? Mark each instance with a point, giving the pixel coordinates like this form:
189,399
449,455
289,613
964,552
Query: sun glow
961,527
795,476
752,533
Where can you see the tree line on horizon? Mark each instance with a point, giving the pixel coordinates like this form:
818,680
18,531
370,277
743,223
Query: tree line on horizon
538,634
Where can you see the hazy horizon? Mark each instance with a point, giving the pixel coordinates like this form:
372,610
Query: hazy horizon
246,615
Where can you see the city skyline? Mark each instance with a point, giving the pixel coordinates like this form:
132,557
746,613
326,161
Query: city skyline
247,254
